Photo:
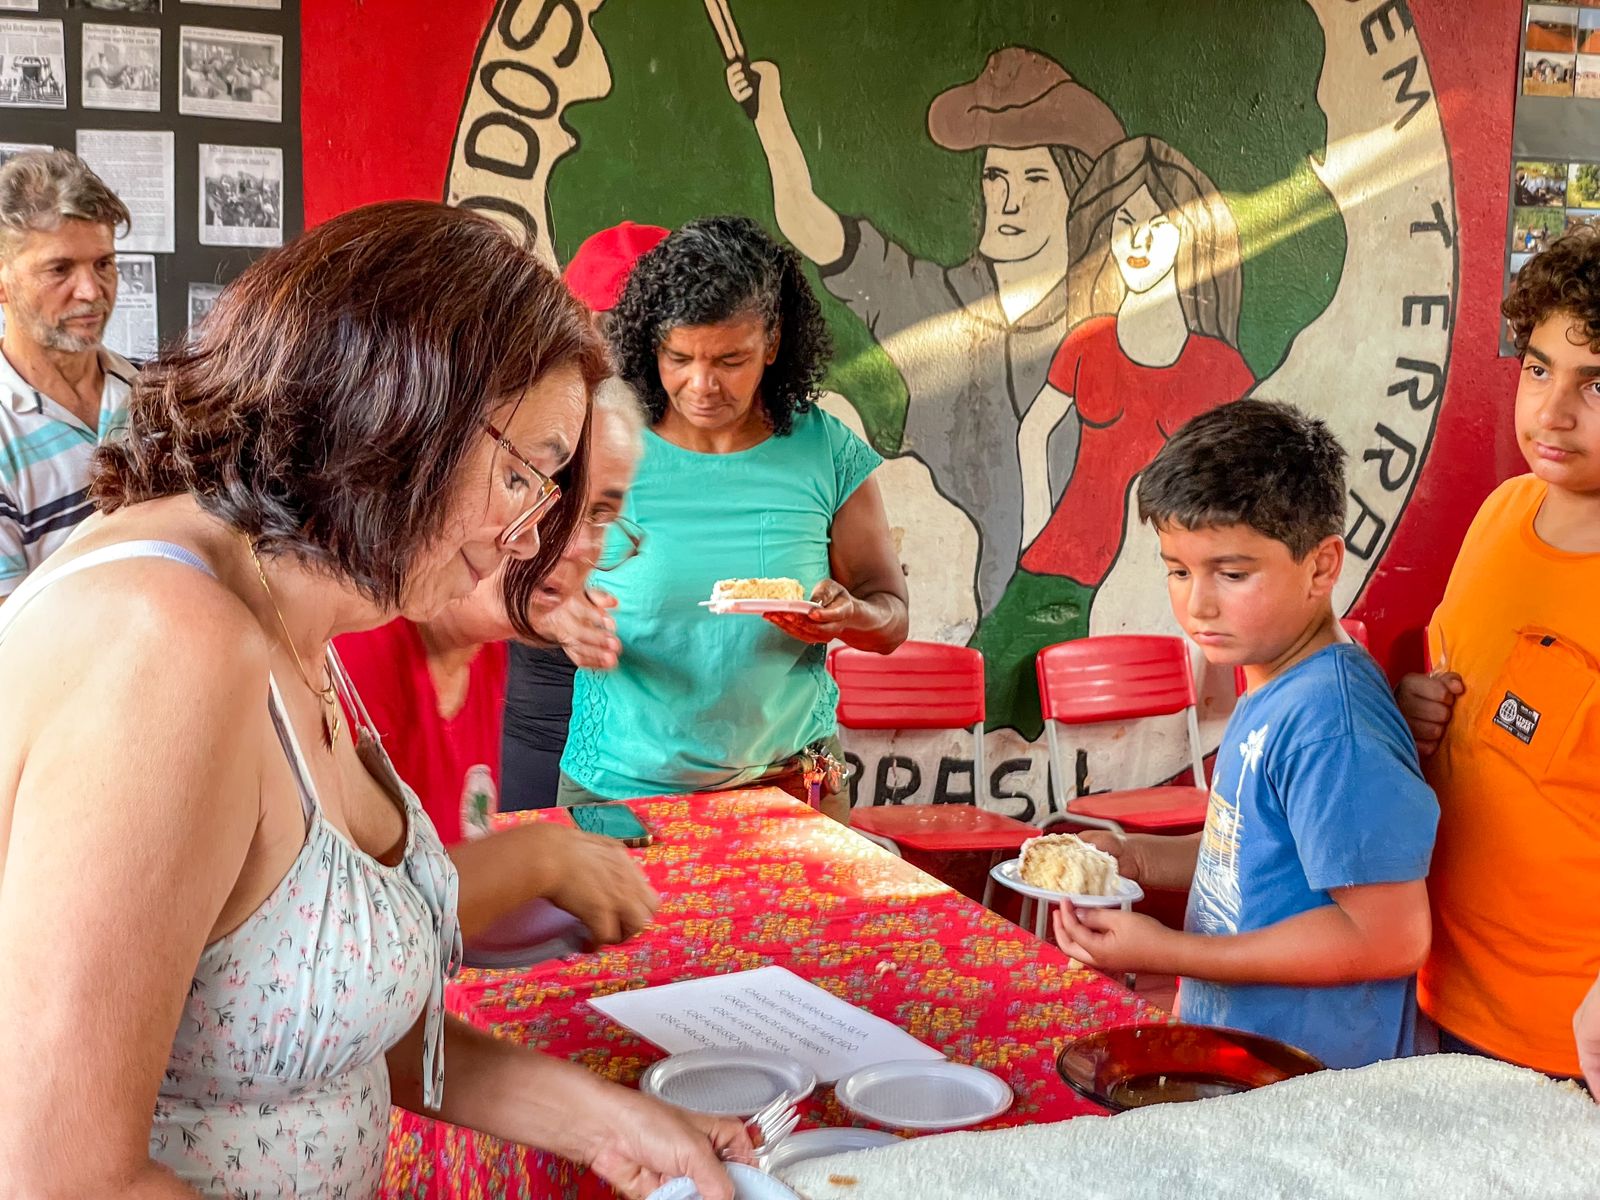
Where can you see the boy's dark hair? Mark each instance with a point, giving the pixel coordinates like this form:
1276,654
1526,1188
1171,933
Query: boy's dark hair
1259,463
1564,278
712,270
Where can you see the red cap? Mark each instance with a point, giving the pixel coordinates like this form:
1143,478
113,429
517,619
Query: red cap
599,270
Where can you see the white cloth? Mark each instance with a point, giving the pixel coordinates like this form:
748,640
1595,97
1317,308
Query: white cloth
1436,1127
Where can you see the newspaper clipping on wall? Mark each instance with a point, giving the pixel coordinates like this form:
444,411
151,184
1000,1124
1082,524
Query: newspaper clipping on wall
33,65
19,5
133,6
272,4
9,150
201,297
122,67
137,166
132,331
231,73
241,195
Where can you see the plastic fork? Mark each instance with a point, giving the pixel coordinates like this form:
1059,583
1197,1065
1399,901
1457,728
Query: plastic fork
774,1123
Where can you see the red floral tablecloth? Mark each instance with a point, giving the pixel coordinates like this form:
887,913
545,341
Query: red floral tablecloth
752,878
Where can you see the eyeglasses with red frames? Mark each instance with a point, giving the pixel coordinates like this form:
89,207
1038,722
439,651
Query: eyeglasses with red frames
547,491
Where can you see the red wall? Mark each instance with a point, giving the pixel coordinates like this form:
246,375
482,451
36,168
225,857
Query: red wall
383,86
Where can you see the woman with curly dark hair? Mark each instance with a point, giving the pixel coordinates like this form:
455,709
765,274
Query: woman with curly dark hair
742,476
225,925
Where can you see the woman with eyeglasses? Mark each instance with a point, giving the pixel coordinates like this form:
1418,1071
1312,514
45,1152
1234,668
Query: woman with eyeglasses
576,622
225,925
742,476
435,690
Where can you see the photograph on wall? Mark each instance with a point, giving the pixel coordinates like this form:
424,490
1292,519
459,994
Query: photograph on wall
1549,50
1518,261
1540,184
137,166
241,195
230,73
127,6
1587,81
202,296
1532,229
122,67
1583,185
33,65
9,150
1577,217
132,331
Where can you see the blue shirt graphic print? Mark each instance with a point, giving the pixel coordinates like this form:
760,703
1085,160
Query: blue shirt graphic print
1316,787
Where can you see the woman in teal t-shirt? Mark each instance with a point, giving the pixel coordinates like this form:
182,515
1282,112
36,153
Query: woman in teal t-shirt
723,339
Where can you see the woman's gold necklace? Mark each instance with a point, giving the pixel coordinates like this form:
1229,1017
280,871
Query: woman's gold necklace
329,695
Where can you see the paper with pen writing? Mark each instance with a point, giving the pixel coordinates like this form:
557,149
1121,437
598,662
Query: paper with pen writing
769,1009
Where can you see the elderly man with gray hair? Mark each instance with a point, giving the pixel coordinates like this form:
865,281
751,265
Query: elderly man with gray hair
62,393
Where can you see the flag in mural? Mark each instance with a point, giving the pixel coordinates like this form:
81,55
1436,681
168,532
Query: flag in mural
1045,237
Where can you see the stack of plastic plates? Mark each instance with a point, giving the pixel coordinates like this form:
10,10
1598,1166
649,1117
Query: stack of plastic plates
820,1143
727,1083
920,1094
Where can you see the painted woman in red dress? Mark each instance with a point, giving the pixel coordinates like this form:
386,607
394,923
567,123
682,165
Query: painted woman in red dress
1156,284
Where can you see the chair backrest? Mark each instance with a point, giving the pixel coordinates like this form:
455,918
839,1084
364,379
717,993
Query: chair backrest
922,685
1354,626
1114,678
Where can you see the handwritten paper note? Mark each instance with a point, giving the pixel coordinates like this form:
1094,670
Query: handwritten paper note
769,1009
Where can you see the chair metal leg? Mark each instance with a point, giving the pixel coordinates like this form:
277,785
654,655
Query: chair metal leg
988,883
1041,920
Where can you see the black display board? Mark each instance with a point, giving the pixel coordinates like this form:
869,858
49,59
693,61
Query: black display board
190,262
1555,136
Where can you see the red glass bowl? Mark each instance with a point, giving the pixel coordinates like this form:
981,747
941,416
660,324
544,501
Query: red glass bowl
1140,1065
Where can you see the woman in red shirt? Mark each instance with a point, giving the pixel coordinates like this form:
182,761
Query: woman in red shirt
1156,282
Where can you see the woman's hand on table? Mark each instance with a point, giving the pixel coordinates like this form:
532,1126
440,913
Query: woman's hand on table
648,1143
584,629
1113,941
596,880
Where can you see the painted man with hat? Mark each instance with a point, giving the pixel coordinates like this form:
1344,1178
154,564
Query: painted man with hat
973,342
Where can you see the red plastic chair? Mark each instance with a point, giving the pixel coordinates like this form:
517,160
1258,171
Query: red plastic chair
924,685
1096,680
1354,626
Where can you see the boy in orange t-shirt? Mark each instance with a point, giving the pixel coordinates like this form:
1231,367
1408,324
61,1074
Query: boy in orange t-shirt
1509,721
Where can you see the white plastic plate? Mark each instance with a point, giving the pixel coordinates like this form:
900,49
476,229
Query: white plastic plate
727,1083
819,1143
919,1094
748,1184
1006,874
755,608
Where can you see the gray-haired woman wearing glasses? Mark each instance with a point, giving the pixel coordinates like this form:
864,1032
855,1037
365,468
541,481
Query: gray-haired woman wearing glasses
435,690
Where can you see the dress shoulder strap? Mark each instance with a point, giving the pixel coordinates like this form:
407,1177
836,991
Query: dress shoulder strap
36,583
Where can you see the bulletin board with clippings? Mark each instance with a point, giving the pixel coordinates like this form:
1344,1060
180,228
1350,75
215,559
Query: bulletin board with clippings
1555,139
190,111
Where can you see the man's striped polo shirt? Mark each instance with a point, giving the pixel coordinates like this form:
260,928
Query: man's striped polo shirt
44,464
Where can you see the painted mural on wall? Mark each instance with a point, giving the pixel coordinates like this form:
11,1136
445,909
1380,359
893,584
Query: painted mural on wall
1046,236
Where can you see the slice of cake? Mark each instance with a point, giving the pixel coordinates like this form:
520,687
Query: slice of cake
1063,862
756,589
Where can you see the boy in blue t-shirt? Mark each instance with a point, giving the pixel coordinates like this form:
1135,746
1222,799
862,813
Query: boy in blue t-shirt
1308,914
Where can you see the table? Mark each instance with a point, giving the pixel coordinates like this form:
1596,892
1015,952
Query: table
754,878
